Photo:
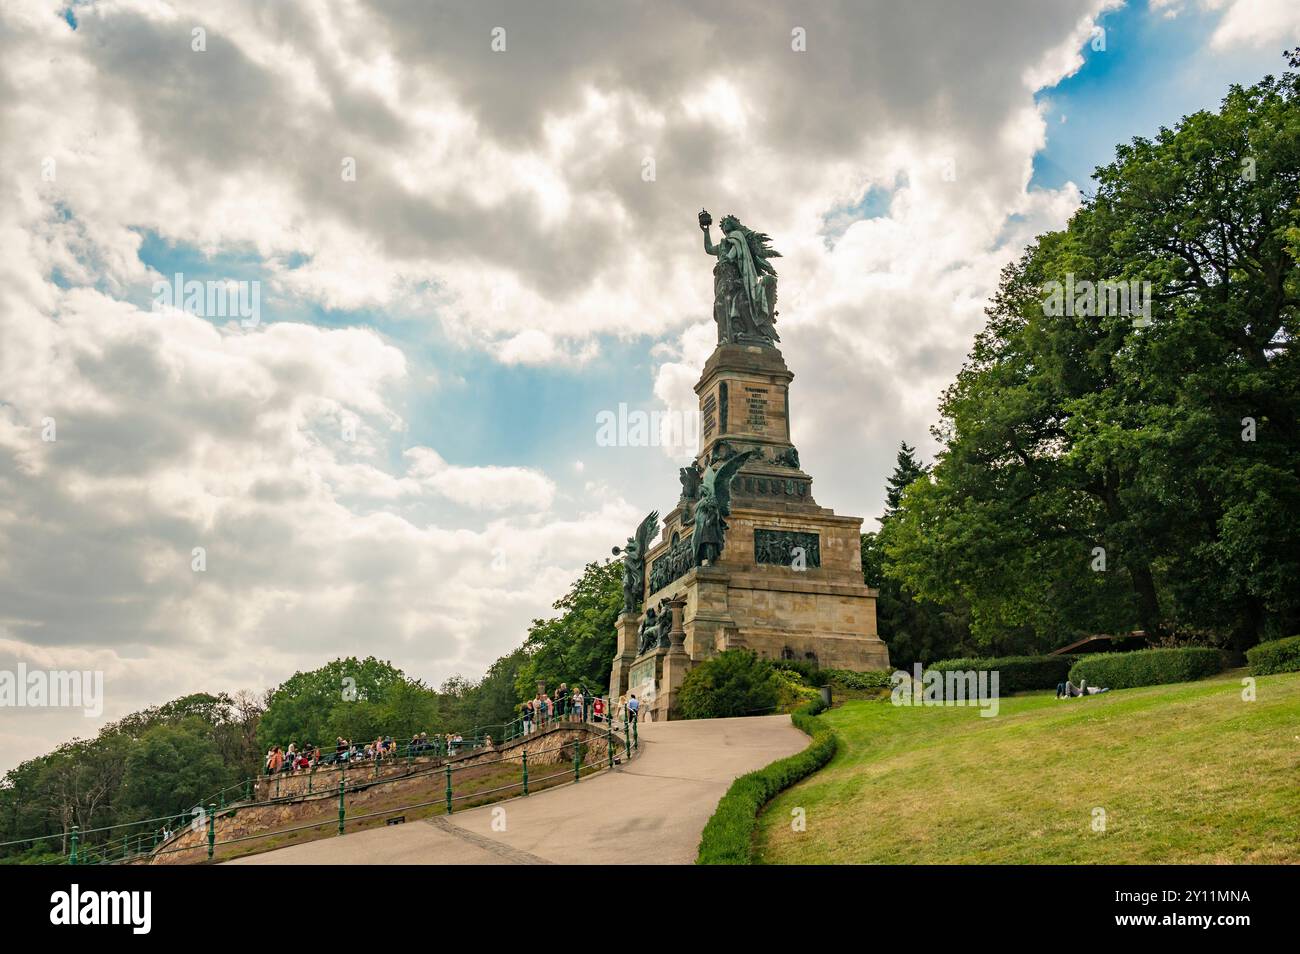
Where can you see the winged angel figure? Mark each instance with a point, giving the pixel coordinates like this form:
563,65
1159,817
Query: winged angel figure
714,505
634,561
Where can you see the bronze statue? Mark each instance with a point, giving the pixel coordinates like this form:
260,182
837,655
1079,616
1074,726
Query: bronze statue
634,561
787,458
744,282
690,478
714,505
649,632
654,629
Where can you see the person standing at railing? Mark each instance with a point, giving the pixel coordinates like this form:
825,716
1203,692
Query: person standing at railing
575,710
562,701
526,716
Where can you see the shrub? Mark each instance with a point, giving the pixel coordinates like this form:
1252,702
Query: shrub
733,683
791,690
1015,673
811,673
849,679
1279,655
728,838
1147,667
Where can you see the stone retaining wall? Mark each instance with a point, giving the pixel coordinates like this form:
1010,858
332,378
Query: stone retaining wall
424,780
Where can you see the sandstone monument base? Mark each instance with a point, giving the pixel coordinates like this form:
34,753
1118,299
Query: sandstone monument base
787,583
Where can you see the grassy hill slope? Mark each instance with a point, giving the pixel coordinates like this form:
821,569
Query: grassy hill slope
1186,773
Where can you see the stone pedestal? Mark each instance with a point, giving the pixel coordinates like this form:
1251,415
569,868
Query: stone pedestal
744,395
675,665
625,654
788,583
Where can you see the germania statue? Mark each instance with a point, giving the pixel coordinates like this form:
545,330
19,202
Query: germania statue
744,282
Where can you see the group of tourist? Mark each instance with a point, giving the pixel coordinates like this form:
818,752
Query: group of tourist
568,705
571,705
292,759
308,757
421,744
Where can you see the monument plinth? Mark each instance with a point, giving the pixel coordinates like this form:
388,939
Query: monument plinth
748,556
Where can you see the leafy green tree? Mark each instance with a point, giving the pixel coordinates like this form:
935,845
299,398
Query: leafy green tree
172,768
914,629
733,683
576,647
407,709
1094,475
344,697
494,700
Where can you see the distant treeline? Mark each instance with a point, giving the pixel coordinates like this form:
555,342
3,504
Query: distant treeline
167,759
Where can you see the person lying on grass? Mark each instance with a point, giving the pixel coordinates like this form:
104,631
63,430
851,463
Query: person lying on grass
1067,689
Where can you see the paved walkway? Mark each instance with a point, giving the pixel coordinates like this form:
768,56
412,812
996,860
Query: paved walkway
650,811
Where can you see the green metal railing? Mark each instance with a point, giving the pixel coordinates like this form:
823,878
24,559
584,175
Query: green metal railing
145,837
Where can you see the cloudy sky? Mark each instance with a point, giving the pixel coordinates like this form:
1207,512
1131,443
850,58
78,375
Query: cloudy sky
472,229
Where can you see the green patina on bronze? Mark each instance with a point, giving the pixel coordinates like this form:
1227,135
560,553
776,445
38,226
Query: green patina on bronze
787,548
714,505
744,282
634,561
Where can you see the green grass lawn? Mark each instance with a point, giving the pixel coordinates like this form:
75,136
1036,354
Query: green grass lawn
1187,773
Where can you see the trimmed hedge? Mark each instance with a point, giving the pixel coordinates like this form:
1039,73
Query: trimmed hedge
1015,673
728,838
851,679
1147,667
1278,655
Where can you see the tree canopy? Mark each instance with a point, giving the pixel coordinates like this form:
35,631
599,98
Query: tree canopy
1102,472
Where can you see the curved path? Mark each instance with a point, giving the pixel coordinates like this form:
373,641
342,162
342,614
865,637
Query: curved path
650,811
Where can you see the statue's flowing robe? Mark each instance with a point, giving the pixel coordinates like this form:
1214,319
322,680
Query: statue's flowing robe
738,251
708,527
